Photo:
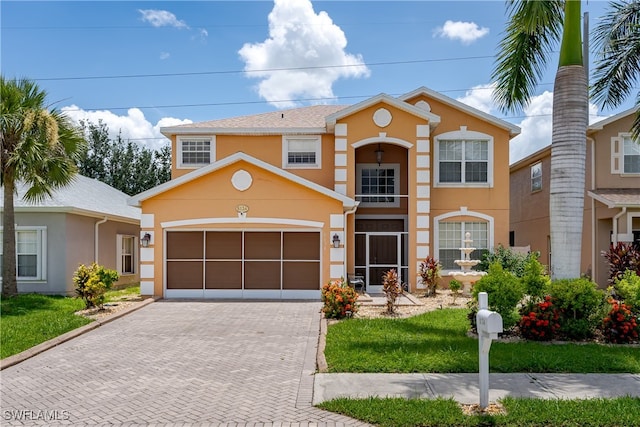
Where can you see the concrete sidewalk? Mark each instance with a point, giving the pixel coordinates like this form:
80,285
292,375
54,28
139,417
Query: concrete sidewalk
464,387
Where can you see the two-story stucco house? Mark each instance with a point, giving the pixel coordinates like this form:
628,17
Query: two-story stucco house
274,205
612,196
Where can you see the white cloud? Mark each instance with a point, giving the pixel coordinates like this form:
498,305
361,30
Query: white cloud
466,32
164,55
161,18
132,126
480,97
300,38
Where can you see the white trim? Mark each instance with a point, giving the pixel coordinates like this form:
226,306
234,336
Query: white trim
423,206
465,136
244,220
341,144
336,255
423,131
147,254
147,220
146,287
423,161
146,271
336,271
41,252
340,175
382,139
423,191
199,138
316,139
340,160
336,221
119,253
340,129
423,176
232,159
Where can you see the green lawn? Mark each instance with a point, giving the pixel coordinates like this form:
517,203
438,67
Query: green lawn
30,319
396,412
437,342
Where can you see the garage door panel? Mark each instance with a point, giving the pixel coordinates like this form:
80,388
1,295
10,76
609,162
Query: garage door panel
262,245
223,275
184,274
185,245
224,245
301,246
262,275
301,275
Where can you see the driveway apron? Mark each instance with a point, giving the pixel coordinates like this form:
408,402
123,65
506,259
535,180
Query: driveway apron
177,362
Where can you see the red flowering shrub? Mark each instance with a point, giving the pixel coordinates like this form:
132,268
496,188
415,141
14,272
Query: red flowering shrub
339,300
541,321
621,325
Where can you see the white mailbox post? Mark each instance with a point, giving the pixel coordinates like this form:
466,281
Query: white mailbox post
489,325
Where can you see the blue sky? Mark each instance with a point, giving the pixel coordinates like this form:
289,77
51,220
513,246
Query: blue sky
140,65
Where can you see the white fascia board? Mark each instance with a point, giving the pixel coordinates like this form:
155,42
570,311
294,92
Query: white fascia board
75,211
347,202
383,97
513,129
170,131
599,125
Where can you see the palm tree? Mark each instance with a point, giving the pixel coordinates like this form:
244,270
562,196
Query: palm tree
39,147
617,71
533,30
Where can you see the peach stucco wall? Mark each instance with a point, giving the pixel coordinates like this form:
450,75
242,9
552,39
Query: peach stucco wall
214,196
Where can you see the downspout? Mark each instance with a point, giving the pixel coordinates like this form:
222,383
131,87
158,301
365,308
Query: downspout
593,207
615,225
349,212
95,239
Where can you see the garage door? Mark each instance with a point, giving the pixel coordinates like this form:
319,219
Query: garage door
243,264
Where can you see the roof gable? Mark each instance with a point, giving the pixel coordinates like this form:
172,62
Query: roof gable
599,125
234,158
513,129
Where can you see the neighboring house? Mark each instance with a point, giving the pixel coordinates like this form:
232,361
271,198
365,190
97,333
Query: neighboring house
83,222
274,205
612,196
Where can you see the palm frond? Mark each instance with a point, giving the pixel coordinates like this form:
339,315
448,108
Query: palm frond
534,28
617,39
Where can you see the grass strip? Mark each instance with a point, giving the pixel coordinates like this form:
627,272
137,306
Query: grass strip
437,342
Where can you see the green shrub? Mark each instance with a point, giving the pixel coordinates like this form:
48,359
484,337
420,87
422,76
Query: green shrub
510,260
454,287
504,291
92,283
534,278
627,288
339,300
580,302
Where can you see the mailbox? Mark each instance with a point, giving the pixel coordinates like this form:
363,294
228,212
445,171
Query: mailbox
489,323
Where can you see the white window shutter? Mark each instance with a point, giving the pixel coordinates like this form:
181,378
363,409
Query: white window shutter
616,154
119,253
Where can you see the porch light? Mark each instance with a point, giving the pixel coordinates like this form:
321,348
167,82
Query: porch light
336,241
145,240
379,153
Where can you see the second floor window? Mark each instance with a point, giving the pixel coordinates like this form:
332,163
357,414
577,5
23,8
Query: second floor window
631,150
378,186
536,177
301,152
463,161
194,152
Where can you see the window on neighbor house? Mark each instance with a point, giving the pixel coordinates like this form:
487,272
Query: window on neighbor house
30,253
301,152
195,152
463,161
450,240
631,153
378,186
126,254
536,177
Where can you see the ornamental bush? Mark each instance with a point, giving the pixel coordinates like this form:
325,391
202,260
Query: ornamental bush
504,291
340,300
392,289
627,287
580,302
621,325
622,257
510,260
430,273
534,277
92,283
539,322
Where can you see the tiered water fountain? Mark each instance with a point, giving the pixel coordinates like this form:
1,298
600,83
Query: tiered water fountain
467,276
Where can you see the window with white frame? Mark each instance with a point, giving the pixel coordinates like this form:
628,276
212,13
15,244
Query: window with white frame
195,151
378,185
31,260
301,152
463,158
126,262
450,239
536,177
631,156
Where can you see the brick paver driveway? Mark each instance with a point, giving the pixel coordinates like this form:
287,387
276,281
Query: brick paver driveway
192,363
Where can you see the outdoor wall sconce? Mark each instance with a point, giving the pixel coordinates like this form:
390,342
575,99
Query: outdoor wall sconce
336,241
145,240
379,153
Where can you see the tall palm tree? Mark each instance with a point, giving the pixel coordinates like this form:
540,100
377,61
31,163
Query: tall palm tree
617,71
39,147
533,30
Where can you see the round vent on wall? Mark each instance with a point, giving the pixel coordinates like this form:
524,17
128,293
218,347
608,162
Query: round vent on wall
382,117
241,180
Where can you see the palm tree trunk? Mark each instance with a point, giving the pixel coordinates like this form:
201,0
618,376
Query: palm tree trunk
9,284
567,181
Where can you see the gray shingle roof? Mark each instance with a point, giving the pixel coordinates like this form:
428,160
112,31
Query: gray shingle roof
83,196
